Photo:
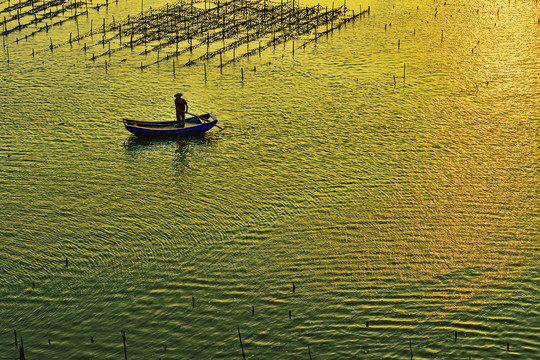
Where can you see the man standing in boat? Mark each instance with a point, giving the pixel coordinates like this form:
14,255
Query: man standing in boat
181,109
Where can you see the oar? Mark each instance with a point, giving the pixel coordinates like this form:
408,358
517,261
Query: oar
200,118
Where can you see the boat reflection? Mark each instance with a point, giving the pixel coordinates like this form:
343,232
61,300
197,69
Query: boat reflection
181,150
135,143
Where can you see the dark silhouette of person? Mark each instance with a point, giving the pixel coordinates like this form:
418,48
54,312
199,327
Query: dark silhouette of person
181,109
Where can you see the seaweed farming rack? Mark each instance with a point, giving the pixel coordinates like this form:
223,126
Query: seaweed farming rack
186,32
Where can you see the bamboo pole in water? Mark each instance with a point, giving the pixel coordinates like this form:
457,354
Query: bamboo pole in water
124,341
241,345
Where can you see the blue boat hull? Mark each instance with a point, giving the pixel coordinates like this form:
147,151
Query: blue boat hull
193,126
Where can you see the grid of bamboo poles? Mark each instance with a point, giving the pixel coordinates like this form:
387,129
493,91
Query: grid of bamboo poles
195,30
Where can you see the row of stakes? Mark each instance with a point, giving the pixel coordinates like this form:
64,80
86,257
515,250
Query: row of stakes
22,356
43,15
173,25
186,27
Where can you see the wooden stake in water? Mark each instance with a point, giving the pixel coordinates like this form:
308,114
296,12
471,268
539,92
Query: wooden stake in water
410,346
403,72
309,352
241,345
124,341
21,350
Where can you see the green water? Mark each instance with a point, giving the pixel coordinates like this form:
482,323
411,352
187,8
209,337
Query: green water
402,212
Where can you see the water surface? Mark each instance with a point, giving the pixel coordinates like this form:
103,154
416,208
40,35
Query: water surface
403,212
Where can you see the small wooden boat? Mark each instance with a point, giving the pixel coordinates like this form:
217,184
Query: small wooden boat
194,125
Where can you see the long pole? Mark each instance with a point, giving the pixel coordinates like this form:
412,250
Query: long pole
242,346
